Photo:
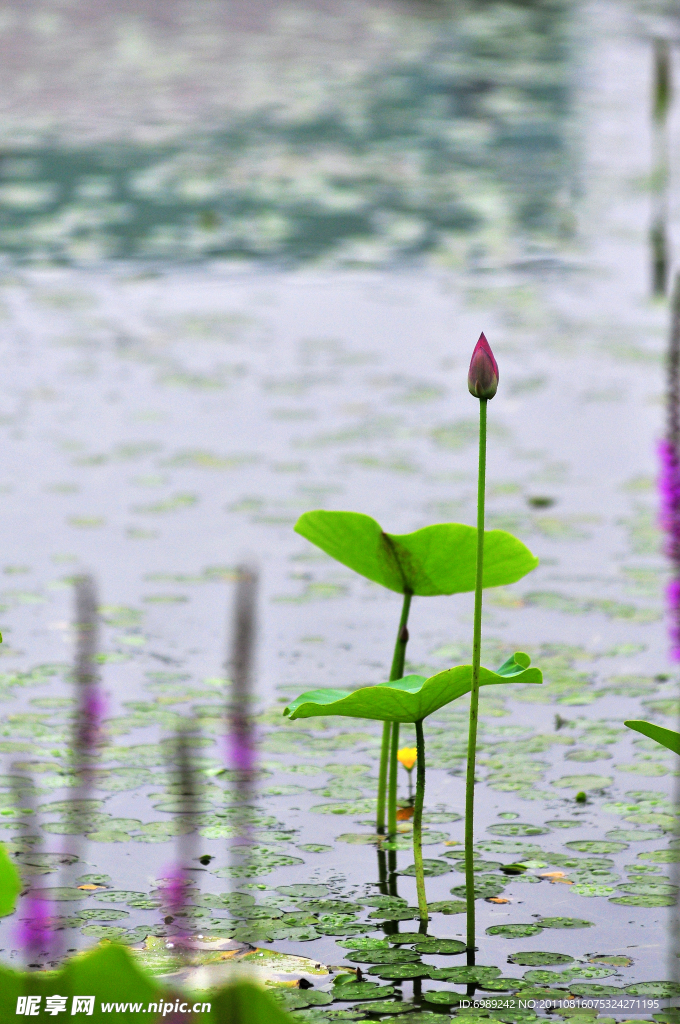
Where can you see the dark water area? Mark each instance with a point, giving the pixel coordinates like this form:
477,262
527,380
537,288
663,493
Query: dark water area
247,253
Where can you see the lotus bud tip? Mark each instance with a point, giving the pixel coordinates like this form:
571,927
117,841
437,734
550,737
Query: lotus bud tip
483,373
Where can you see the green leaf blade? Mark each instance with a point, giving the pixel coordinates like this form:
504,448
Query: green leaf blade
405,700
666,737
439,559
10,883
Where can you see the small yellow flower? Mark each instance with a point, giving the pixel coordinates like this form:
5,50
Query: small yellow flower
408,757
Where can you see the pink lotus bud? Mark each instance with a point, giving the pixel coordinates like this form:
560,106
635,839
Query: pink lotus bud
483,373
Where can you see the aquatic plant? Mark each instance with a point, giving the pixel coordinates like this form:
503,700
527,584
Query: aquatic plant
407,757
436,560
411,699
665,737
483,377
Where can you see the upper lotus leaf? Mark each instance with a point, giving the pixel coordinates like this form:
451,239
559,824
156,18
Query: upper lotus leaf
438,559
666,737
409,699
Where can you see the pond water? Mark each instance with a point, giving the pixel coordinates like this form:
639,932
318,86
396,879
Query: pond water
247,258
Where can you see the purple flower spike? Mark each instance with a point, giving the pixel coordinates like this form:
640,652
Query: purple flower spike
669,520
483,374
241,752
34,932
175,895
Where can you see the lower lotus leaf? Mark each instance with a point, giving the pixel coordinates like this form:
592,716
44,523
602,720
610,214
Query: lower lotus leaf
443,998
363,943
409,699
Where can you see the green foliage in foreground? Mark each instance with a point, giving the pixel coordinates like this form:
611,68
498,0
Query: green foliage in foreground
110,974
666,737
10,883
436,560
409,699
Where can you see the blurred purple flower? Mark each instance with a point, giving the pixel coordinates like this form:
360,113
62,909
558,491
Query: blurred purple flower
176,884
669,520
241,751
90,717
34,932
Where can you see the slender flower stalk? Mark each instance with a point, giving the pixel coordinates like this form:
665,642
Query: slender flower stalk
241,739
418,825
483,379
388,738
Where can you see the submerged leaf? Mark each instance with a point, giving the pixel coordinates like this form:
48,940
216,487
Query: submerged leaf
409,699
438,559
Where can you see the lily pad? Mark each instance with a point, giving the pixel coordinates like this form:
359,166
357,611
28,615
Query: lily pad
645,901
431,868
595,846
516,828
60,893
391,1006
383,956
538,958
632,835
462,975
514,931
440,946
399,972
649,887
447,907
611,959
303,889
591,989
362,990
583,782
654,989
409,699
443,997
593,889
436,560
564,922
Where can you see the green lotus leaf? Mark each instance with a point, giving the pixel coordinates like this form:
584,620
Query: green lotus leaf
438,559
666,737
10,883
409,699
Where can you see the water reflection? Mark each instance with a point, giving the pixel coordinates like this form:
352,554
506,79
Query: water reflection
408,130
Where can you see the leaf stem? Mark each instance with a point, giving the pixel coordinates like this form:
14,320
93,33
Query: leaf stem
392,792
474,693
396,672
418,822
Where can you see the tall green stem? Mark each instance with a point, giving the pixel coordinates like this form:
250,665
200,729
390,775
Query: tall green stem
418,822
396,672
474,693
392,792
382,777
